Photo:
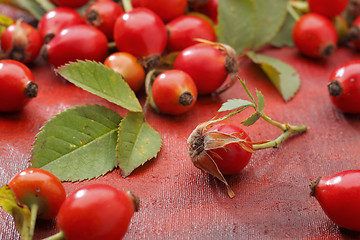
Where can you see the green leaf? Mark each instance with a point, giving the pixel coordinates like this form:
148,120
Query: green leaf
261,101
249,24
232,104
283,76
270,17
78,143
33,7
237,23
21,213
102,81
252,119
284,36
138,142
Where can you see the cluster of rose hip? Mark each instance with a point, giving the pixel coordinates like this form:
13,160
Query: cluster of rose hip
96,211
317,33
132,38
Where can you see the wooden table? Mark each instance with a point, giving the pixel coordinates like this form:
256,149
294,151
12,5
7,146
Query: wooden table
178,201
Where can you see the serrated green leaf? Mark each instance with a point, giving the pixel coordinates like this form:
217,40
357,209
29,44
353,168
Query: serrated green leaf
138,142
78,143
283,76
21,213
261,101
102,81
284,36
236,23
232,104
33,7
252,119
270,17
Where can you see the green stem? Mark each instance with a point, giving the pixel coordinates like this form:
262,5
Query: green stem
287,133
282,127
127,5
293,13
301,6
58,236
34,211
112,45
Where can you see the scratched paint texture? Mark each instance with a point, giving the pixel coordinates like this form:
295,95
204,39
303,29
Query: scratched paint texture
178,201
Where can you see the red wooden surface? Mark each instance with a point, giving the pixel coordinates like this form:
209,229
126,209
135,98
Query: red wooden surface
178,201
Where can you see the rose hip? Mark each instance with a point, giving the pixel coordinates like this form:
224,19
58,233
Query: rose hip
339,197
21,42
79,42
344,87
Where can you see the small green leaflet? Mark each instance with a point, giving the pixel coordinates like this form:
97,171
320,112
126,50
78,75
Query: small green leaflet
233,104
261,101
238,105
138,142
283,76
252,119
249,24
102,81
78,143
21,213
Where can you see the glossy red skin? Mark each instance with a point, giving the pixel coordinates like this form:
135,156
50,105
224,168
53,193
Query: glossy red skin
348,75
33,39
140,32
339,197
312,33
136,3
210,9
166,9
205,64
70,3
184,29
328,8
234,158
128,67
57,19
14,76
79,42
35,185
96,211
108,12
167,88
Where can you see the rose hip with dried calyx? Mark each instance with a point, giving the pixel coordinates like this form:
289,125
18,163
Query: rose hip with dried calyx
21,42
208,145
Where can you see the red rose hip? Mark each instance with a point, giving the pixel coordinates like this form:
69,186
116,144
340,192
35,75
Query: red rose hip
17,85
315,35
79,42
339,197
344,87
